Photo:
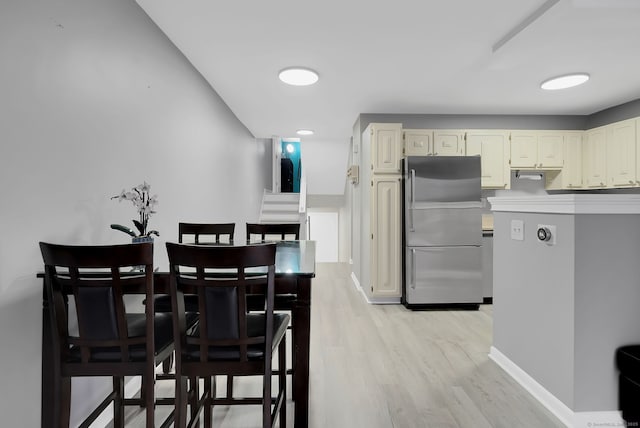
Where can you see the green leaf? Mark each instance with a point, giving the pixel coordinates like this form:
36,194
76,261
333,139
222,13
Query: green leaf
153,232
123,229
139,226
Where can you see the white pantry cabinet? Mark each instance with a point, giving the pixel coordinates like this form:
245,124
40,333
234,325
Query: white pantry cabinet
493,148
386,239
386,147
381,199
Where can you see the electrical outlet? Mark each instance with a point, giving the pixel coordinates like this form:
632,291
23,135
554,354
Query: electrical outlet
517,230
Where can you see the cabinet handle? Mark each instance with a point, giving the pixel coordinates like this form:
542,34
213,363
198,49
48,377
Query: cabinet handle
412,196
413,268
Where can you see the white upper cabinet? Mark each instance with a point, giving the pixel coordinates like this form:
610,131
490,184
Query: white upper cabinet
594,152
572,169
524,149
621,153
385,140
570,177
493,148
537,149
550,149
418,142
448,142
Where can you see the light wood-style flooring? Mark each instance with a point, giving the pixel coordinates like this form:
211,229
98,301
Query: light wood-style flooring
383,366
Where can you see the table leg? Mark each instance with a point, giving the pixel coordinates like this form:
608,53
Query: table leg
301,339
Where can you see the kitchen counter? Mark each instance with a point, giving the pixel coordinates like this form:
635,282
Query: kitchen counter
562,307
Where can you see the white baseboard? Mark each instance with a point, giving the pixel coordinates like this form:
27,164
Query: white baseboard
356,283
567,416
374,300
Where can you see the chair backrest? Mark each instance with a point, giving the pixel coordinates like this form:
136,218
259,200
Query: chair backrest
274,231
206,233
221,277
94,280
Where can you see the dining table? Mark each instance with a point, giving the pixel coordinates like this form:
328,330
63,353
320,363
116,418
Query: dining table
295,269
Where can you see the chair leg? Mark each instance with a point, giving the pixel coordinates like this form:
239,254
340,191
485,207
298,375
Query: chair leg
230,386
64,412
118,402
266,394
209,383
193,396
282,380
149,397
180,402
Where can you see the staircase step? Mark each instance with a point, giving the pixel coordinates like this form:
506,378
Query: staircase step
279,218
280,207
282,197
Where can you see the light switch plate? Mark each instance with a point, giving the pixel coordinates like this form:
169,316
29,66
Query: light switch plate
517,230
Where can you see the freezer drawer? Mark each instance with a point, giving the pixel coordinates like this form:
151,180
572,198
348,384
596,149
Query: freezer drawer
443,226
437,275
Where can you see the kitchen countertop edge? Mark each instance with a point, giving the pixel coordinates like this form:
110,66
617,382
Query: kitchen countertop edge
568,204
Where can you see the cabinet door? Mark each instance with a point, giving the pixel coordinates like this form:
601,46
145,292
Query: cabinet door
595,158
493,148
386,150
550,150
418,142
448,143
572,169
621,153
386,241
524,149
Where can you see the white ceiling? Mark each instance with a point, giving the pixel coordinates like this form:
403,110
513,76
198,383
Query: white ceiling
403,56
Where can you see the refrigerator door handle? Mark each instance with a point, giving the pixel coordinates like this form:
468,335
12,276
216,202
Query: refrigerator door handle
413,268
412,196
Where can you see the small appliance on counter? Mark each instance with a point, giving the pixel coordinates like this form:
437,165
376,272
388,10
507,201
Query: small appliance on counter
442,232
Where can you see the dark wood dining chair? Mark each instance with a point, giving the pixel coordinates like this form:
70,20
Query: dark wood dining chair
204,233
275,231
197,233
259,232
110,340
228,339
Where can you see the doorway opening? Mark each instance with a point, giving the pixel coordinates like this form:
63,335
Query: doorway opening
290,165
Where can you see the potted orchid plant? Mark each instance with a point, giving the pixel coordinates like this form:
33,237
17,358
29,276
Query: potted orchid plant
144,203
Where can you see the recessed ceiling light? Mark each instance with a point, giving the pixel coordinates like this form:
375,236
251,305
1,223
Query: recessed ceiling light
304,132
298,76
564,82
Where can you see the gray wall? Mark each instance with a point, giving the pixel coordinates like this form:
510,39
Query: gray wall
561,311
607,294
614,114
533,312
96,99
444,121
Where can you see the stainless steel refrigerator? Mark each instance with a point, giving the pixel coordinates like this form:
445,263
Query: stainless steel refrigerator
442,232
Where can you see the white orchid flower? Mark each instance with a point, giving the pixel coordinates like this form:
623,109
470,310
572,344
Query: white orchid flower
144,187
144,203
